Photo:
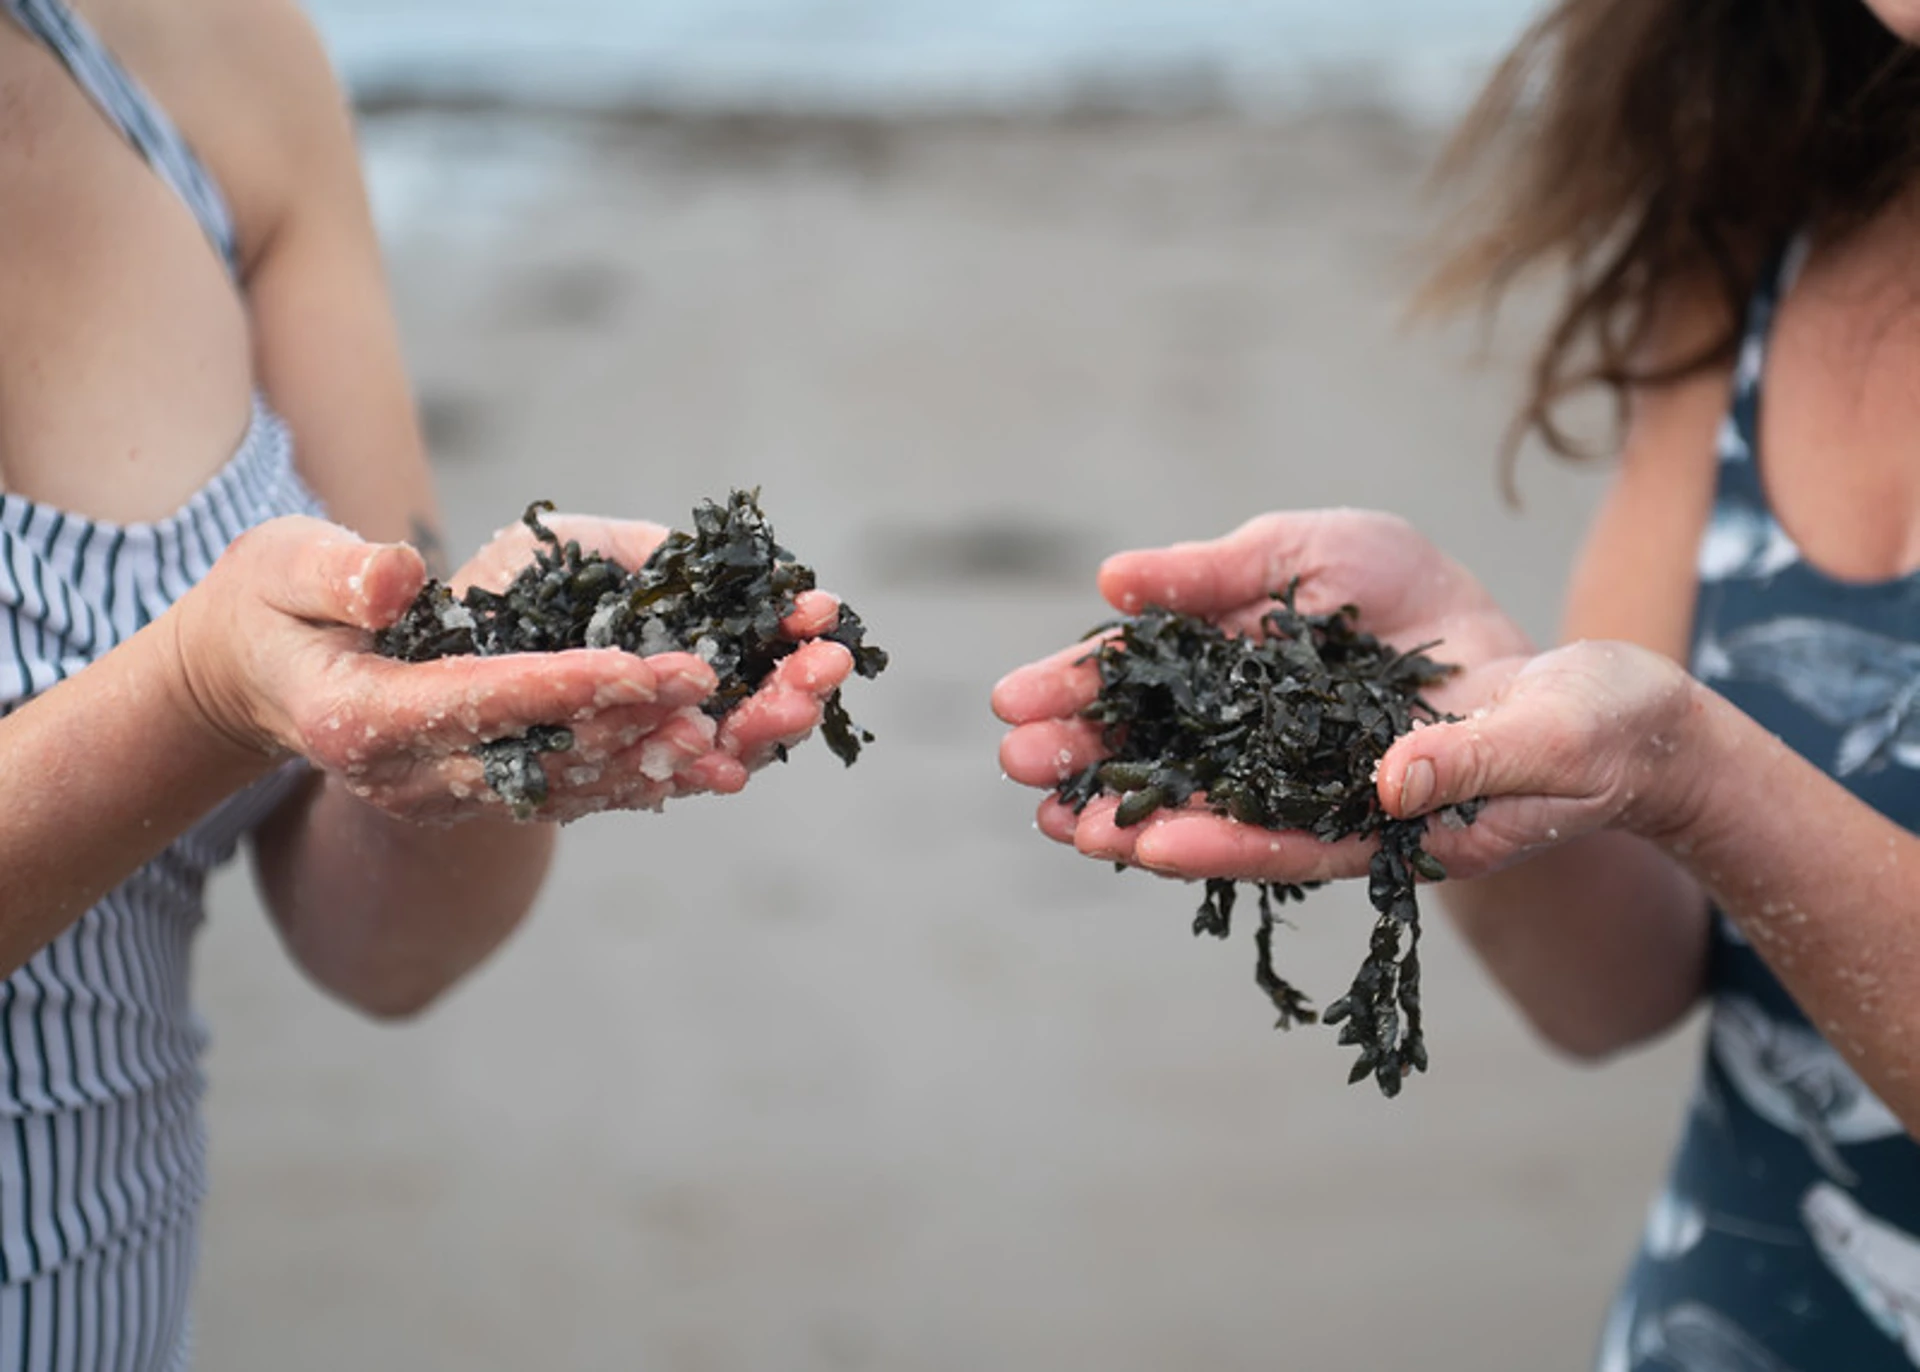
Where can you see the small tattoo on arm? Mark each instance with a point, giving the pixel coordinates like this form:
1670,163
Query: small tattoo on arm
433,551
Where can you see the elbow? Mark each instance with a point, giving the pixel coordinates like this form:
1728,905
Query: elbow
1584,1045
1593,1038
387,995
382,982
396,1005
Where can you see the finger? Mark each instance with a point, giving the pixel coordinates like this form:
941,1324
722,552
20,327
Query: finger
455,702
654,764
1195,845
1057,820
661,756
1051,751
1212,577
1507,830
814,613
712,772
1056,687
814,668
773,725
1552,730
325,574
789,704
1410,776
682,679
630,542
601,733
607,733
1097,836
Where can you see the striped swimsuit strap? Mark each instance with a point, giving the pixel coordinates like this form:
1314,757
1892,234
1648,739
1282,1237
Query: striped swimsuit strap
134,112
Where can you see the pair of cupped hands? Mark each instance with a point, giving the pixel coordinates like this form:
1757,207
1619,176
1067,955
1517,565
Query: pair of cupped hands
1560,744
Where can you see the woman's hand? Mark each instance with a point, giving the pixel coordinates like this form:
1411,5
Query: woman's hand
1587,737
274,647
1562,745
780,715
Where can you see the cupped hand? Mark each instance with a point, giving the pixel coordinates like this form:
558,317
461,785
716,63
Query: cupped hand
1408,593
275,649
1586,737
780,715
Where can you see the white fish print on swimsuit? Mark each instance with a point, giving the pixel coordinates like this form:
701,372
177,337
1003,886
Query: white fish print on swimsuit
1688,1337
1863,683
1616,1340
1795,1081
1744,542
1879,1264
1675,1226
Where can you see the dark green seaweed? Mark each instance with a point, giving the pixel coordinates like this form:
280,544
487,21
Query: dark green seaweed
1283,729
720,592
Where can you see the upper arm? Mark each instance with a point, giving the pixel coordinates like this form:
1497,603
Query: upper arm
327,348
1635,578
268,114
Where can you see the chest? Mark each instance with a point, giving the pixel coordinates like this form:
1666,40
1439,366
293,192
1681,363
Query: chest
125,373
1838,421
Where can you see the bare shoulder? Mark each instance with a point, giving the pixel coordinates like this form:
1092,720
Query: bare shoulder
1635,579
250,85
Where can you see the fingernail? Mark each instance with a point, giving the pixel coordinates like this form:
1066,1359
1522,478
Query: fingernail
1416,787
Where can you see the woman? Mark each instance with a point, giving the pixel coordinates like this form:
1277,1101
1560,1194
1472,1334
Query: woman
1732,191
199,363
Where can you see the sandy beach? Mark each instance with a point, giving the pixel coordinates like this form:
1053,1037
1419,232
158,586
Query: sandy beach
855,1071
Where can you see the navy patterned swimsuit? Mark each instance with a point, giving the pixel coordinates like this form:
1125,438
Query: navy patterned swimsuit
1788,1238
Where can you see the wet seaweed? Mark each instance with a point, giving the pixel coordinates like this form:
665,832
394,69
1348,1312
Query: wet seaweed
1283,729
719,591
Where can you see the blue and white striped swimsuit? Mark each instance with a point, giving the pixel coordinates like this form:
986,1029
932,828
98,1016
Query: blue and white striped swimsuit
102,1146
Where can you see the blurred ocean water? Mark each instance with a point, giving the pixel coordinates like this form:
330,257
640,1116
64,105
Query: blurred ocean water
900,56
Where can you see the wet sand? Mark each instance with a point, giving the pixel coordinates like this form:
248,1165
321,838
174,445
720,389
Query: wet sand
855,1071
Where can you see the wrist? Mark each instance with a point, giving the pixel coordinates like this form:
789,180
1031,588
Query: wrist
1681,769
191,678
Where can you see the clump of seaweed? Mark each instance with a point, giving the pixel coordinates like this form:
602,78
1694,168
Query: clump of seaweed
720,592
1285,729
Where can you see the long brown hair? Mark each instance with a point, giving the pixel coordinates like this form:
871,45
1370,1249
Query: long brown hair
1653,146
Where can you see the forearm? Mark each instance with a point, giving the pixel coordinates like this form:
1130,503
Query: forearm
1824,887
387,914
97,776
1601,942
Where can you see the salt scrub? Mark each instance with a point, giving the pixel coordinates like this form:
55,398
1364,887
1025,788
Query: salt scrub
658,760
721,592
599,628
1281,730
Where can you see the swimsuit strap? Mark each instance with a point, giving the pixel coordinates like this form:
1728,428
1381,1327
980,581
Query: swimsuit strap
133,111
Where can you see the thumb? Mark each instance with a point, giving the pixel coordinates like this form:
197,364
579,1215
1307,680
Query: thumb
1567,725
1528,744
375,583
329,575
1212,577
1421,774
